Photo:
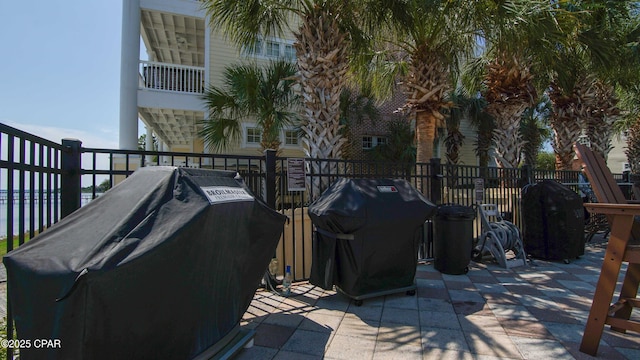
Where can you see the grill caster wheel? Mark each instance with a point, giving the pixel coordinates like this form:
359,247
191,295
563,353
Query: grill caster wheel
411,292
358,302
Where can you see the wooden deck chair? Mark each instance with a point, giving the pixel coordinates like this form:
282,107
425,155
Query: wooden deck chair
622,246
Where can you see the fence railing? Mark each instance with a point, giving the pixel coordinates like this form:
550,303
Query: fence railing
43,181
172,77
31,172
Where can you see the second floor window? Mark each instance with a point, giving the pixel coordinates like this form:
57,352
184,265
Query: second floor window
291,137
254,135
369,142
273,48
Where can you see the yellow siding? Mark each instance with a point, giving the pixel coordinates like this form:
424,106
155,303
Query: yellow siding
222,54
467,154
617,158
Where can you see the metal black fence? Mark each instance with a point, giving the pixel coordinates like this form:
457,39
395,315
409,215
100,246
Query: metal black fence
43,181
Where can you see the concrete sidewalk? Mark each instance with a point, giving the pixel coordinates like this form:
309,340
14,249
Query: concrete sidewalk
537,312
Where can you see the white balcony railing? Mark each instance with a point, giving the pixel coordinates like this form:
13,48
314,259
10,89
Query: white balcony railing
171,77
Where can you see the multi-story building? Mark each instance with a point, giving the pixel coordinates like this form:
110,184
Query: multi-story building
163,87
169,56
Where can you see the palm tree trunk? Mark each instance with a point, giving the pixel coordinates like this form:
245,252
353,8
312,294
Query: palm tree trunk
508,142
425,136
453,142
426,86
509,93
321,50
588,107
604,110
566,131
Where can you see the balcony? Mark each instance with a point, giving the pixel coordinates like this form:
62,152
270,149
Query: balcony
171,77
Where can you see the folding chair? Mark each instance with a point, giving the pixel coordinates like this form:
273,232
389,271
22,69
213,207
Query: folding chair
622,246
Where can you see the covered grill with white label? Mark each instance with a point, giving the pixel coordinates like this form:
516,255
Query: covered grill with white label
162,266
366,238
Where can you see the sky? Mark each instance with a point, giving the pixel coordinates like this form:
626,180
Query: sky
60,64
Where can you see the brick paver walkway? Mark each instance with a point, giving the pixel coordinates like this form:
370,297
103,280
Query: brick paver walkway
537,312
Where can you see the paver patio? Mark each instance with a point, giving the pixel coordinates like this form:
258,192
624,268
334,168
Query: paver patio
535,312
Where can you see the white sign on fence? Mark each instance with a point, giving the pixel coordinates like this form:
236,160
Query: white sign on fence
478,187
295,174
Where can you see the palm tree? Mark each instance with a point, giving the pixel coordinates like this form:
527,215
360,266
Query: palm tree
630,123
265,95
520,37
463,107
438,36
399,148
534,130
582,90
399,153
421,56
484,125
355,108
325,32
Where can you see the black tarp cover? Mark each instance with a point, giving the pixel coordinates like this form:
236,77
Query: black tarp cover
162,266
367,235
553,221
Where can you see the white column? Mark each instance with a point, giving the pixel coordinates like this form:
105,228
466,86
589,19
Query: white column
207,52
149,144
163,159
130,52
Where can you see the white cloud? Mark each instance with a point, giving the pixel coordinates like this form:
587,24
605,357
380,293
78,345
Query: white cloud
102,139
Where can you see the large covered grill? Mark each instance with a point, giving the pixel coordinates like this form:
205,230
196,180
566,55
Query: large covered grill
367,236
162,266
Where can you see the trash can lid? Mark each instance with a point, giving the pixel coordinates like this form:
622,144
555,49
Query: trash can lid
455,211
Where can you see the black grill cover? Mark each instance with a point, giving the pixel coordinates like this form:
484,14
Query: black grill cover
367,235
162,266
553,221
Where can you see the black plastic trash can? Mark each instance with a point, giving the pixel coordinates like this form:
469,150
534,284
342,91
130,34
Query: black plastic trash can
453,238
366,238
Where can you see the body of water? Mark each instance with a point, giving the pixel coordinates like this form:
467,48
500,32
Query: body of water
13,206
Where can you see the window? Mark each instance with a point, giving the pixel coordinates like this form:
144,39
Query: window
290,138
289,52
254,135
369,142
273,49
258,50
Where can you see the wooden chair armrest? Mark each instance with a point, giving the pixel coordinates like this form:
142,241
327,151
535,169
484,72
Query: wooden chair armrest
613,209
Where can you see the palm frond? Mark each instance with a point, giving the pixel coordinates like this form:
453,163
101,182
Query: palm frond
221,133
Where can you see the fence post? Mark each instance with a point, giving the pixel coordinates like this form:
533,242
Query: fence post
270,180
436,181
526,175
70,181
